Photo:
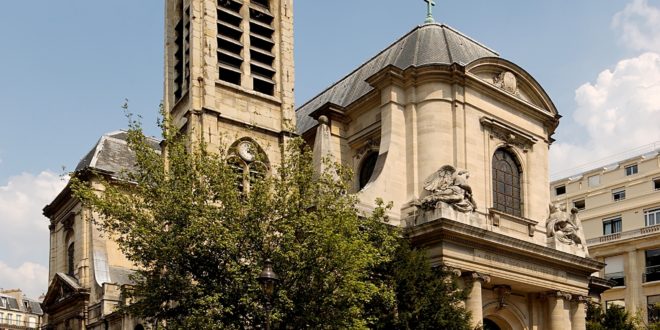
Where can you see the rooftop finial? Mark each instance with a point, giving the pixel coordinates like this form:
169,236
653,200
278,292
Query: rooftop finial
429,11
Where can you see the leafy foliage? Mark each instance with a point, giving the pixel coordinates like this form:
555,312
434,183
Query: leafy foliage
615,318
199,244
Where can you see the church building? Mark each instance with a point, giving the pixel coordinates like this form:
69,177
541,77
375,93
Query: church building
454,135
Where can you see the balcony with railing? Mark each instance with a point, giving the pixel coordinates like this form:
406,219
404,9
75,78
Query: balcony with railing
650,230
13,323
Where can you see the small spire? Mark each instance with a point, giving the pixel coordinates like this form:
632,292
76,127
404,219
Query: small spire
429,11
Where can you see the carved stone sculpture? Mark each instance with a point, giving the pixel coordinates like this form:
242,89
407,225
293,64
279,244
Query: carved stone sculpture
564,227
448,185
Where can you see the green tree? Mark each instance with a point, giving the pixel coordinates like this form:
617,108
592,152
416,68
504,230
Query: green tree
199,243
615,318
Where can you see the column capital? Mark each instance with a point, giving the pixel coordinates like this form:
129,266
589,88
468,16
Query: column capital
557,294
452,270
475,276
580,298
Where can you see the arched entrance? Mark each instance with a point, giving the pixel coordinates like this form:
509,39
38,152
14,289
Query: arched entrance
490,325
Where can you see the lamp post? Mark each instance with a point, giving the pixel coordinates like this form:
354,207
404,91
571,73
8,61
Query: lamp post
268,280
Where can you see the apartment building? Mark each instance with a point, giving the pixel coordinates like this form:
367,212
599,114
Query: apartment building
619,207
19,312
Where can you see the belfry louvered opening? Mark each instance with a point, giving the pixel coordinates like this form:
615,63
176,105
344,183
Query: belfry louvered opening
236,45
182,53
230,47
261,48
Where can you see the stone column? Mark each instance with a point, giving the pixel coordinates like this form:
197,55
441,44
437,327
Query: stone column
559,318
578,313
474,302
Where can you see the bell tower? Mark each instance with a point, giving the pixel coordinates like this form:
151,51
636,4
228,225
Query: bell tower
229,70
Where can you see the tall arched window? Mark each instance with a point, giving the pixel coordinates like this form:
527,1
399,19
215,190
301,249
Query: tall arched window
507,174
70,259
367,168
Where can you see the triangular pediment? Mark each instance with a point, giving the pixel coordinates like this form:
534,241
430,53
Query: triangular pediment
62,287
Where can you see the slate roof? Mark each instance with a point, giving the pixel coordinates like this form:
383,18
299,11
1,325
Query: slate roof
425,45
111,154
12,305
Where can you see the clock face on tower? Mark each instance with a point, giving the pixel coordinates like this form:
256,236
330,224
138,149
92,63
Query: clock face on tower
244,150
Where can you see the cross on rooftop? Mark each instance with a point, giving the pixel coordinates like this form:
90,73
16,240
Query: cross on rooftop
429,11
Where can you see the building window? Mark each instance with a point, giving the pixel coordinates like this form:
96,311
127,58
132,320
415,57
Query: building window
32,322
618,195
367,168
249,163
560,190
70,260
231,38
612,226
182,53
656,184
10,318
631,169
19,319
620,303
507,174
614,270
579,204
593,181
3,302
653,305
2,318
652,217
652,272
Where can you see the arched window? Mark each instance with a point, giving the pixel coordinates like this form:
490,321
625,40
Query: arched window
70,259
367,168
249,162
507,174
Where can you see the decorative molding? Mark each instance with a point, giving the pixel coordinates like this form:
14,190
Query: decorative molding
507,134
502,292
372,144
507,81
557,295
497,216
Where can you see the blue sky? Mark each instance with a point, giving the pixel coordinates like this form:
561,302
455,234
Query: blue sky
66,68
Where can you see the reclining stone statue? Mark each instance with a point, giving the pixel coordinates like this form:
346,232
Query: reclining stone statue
448,185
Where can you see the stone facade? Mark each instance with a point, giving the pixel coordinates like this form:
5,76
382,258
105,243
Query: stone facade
619,205
87,271
455,136
442,114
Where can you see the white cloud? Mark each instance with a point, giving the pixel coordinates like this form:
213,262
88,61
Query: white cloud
620,111
25,239
639,26
31,278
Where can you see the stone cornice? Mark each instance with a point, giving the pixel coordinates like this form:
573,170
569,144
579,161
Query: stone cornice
464,234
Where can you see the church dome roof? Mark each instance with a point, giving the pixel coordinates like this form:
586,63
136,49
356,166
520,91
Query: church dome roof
425,45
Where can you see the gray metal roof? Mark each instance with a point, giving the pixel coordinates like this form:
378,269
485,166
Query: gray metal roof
426,44
112,154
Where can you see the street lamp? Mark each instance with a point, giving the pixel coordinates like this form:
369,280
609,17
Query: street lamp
268,279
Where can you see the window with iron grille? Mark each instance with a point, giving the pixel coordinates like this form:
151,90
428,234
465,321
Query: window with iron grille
507,174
